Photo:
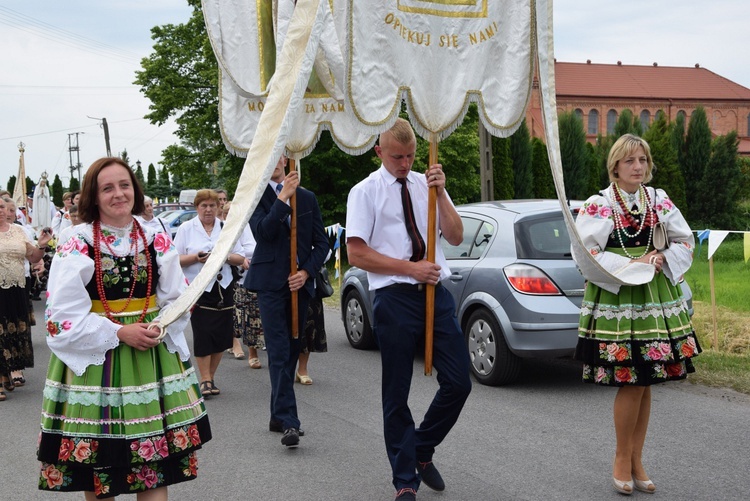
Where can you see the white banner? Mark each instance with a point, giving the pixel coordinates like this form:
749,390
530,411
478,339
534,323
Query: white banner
439,55
245,77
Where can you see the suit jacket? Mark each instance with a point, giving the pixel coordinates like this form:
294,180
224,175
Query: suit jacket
271,262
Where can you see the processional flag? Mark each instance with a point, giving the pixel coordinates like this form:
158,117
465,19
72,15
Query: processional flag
245,77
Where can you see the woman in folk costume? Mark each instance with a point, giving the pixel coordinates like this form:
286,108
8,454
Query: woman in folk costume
122,412
634,336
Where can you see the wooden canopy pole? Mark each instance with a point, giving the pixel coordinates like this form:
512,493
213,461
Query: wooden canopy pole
713,302
429,319
293,254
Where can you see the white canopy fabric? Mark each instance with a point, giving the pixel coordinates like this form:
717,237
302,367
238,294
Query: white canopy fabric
438,57
263,34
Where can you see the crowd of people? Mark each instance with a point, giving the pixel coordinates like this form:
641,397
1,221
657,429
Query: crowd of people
123,407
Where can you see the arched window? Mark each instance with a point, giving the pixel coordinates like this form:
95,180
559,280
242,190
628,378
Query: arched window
645,119
682,114
593,122
579,113
659,114
611,121
748,125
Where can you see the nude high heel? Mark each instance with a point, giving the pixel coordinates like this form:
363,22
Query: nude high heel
646,486
623,487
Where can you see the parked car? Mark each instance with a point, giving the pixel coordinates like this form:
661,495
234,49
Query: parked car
175,218
517,289
160,208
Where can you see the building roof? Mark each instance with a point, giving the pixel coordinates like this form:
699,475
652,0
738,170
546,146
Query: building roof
645,82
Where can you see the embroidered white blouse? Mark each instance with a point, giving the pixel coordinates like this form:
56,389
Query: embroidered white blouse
595,224
81,338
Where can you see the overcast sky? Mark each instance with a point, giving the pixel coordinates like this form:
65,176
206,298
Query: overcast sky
64,61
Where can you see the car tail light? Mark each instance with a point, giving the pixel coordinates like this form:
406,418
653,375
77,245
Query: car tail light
530,280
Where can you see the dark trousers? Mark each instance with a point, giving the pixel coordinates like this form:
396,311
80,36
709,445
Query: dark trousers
283,351
399,327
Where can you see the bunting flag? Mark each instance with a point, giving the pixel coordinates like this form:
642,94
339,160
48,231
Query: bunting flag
715,238
440,55
242,98
746,239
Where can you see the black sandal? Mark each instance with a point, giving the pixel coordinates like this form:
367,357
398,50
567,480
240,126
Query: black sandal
2,395
206,388
214,389
8,385
19,381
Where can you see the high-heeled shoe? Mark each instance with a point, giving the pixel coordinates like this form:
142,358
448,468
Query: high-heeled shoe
303,379
623,487
644,486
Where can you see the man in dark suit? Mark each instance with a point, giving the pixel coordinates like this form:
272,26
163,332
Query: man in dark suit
270,277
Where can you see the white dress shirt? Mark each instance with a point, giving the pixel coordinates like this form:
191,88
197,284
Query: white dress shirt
375,214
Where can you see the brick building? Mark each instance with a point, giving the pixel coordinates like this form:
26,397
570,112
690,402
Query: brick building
598,93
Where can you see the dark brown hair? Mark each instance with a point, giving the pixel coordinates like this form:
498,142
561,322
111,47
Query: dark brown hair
88,210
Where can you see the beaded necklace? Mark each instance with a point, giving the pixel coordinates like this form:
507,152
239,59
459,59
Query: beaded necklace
648,215
135,233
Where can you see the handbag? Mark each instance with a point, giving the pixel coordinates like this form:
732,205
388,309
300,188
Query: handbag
323,287
659,237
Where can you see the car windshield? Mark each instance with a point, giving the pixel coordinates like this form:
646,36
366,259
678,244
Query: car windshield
542,238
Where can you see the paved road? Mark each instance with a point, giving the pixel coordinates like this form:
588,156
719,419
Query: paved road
549,437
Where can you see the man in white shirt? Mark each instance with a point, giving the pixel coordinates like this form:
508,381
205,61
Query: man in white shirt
385,224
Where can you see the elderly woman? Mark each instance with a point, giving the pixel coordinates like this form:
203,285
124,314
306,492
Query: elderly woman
147,219
121,409
213,313
634,336
16,352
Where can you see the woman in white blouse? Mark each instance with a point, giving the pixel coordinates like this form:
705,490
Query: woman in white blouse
213,314
633,336
121,411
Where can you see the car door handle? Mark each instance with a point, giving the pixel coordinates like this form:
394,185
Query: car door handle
456,277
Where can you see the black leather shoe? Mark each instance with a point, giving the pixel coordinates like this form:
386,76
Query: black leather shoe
430,476
291,437
277,427
407,494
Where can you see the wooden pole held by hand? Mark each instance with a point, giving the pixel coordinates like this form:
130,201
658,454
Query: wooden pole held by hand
429,319
293,255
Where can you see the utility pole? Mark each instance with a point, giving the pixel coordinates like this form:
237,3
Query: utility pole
106,134
77,150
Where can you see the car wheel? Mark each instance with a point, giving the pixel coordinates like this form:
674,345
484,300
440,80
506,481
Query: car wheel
356,323
492,362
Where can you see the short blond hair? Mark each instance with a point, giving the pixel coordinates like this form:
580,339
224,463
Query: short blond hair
401,132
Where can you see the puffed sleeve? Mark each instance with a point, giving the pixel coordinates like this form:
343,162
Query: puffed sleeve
75,335
172,284
679,256
594,225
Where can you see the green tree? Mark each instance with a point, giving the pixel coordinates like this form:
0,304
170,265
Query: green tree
544,185
601,152
721,184
502,169
574,156
594,177
139,175
627,123
150,178
57,191
520,152
677,139
697,155
75,185
180,78
667,173
11,184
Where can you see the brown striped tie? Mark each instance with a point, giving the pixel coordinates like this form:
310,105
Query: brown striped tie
417,243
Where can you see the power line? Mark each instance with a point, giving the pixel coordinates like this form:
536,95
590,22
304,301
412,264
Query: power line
33,26
66,129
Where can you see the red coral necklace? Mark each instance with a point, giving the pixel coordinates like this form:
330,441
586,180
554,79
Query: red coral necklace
135,233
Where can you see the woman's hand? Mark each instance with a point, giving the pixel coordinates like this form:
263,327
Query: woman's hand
202,257
138,336
654,258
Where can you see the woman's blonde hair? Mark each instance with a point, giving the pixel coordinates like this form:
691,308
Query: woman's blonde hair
624,147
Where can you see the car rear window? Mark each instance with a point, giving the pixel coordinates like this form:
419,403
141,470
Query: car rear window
542,238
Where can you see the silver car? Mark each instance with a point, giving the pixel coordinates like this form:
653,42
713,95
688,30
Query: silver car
517,289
